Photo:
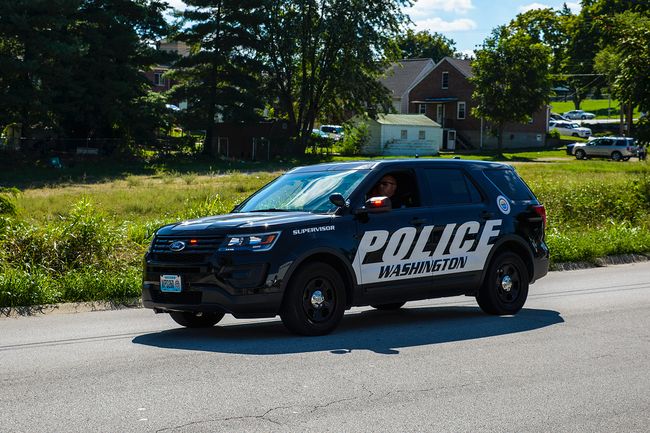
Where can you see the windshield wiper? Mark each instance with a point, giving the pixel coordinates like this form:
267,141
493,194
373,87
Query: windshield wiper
272,210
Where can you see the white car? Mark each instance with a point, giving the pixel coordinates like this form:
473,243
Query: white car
569,128
579,114
616,148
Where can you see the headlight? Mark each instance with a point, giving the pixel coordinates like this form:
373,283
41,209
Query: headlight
254,242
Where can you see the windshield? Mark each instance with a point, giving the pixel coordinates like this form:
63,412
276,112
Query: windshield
307,192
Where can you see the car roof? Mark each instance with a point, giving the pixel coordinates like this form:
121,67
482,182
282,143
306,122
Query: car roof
399,164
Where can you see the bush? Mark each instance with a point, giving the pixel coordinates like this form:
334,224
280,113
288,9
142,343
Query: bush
7,205
355,138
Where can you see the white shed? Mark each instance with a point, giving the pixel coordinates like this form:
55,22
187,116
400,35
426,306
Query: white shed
403,134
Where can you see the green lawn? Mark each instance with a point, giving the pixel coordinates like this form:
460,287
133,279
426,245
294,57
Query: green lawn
82,238
602,108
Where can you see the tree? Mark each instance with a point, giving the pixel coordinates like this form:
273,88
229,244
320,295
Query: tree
106,85
34,48
626,63
511,78
546,26
220,77
425,45
325,57
75,66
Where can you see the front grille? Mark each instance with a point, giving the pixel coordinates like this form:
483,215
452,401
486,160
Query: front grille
184,298
196,247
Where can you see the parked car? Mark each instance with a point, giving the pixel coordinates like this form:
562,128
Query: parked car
333,131
319,133
569,128
555,116
616,148
579,114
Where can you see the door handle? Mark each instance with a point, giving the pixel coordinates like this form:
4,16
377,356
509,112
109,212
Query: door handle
418,221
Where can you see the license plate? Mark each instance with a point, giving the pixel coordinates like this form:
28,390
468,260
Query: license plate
170,283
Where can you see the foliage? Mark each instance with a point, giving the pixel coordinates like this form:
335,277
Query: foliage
7,205
547,26
219,78
425,45
508,89
73,67
355,138
324,58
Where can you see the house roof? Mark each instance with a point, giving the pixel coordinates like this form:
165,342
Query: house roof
401,75
406,119
463,66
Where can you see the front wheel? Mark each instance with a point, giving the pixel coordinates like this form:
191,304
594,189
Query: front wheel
505,288
314,302
196,320
580,154
617,156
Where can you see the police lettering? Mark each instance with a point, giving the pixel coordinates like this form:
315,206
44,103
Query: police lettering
404,253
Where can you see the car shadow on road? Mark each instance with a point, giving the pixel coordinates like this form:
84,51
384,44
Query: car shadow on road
373,330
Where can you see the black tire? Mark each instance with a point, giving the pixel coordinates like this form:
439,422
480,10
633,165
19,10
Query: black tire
617,156
583,117
505,288
196,320
575,134
314,301
580,154
389,307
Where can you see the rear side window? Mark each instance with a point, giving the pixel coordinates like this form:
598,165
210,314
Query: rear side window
510,184
451,186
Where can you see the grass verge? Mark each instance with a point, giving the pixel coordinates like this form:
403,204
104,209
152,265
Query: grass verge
81,241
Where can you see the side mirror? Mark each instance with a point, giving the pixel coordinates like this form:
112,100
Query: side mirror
375,205
339,201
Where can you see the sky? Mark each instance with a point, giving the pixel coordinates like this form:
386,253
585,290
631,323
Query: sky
466,22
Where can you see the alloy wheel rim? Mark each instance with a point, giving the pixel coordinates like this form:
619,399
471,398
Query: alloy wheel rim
508,283
319,300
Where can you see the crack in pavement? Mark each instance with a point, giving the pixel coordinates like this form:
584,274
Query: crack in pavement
264,416
232,418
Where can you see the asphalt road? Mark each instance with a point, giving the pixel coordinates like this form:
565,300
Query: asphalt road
576,359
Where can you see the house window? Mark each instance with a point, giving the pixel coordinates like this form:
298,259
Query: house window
422,109
445,80
421,135
158,79
461,111
404,134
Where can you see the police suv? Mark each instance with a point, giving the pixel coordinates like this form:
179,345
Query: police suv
315,242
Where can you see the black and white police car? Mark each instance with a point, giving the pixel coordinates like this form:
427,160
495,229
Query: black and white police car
315,242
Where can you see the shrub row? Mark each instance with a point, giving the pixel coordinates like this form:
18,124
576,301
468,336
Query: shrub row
85,256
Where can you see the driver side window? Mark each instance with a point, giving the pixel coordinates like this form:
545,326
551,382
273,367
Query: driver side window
400,186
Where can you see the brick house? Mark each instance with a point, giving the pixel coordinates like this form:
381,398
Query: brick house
401,76
444,94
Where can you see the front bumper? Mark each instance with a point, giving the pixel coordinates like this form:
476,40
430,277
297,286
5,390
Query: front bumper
212,284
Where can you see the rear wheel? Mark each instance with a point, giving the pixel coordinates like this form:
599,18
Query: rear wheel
388,307
575,134
505,288
196,320
580,154
314,302
617,156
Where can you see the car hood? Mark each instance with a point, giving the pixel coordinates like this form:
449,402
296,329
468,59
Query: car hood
245,222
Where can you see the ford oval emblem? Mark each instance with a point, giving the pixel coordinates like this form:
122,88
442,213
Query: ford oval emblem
177,246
